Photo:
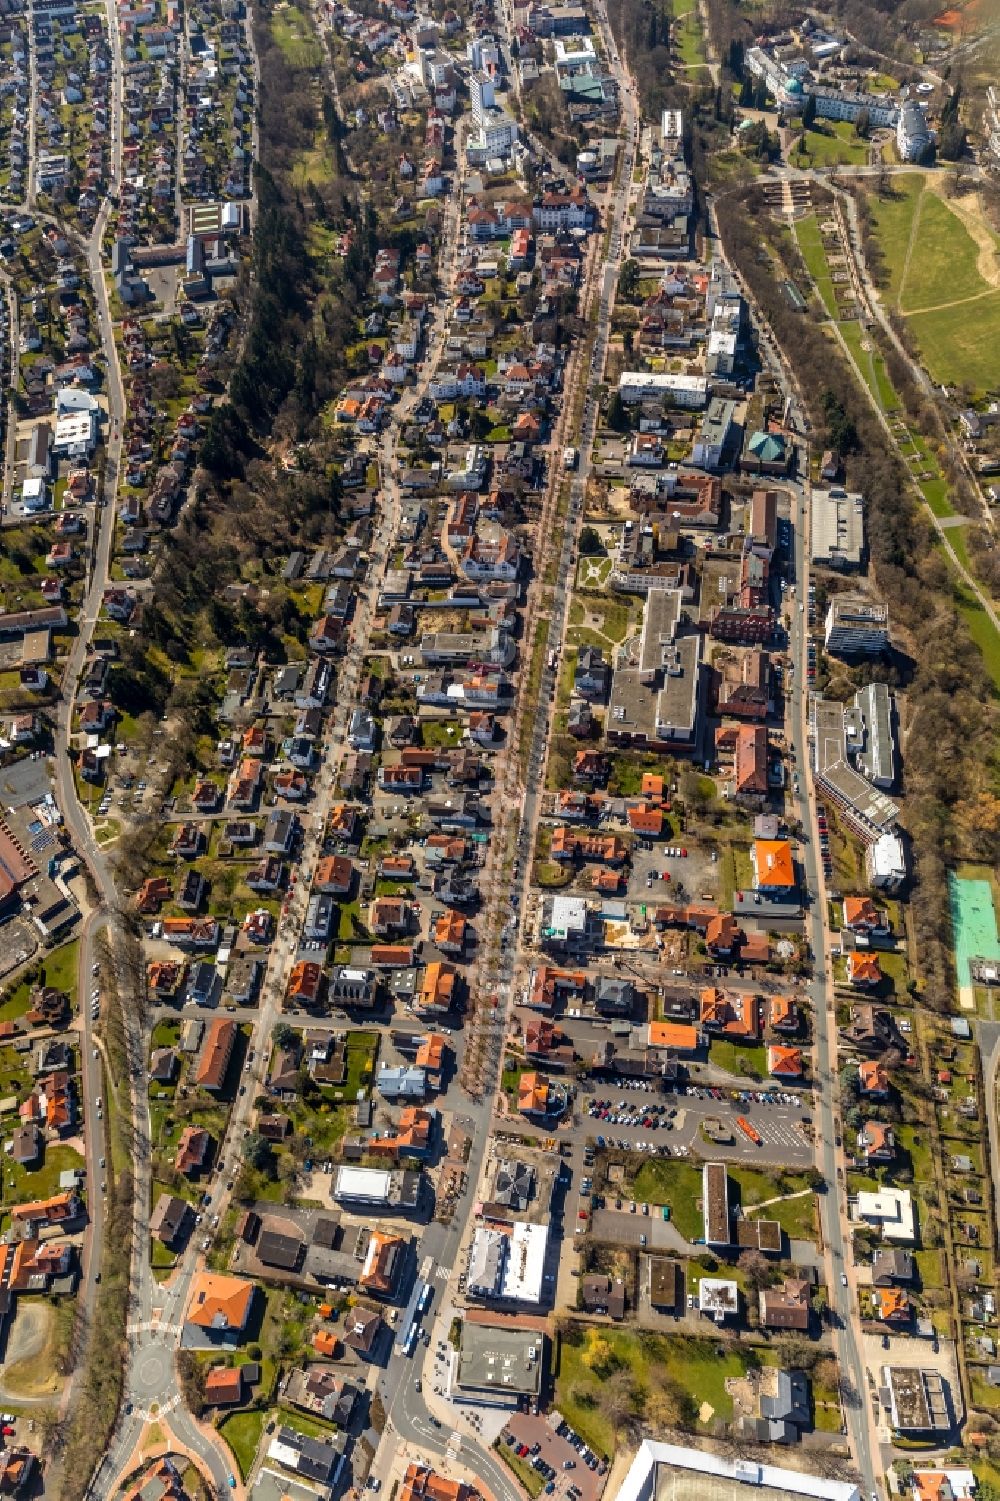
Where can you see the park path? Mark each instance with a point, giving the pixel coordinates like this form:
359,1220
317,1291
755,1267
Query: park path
799,1193
968,208
940,307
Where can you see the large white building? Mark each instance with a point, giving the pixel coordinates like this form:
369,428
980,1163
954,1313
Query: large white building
508,1265
660,1470
913,136
885,863
890,1211
647,385
496,136
790,92
482,95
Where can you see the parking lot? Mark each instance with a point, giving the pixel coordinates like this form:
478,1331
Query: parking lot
617,1116
557,1451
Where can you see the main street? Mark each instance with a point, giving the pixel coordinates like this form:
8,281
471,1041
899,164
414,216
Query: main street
840,1280
409,1411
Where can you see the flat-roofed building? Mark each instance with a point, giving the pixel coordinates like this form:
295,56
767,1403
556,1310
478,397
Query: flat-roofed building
890,1211
377,1188
715,1204
856,626
838,529
645,385
915,1399
497,1366
657,696
664,1284
672,1472
865,806
874,744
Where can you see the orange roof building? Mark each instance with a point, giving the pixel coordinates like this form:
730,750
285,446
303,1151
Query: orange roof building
872,1078
216,1051
943,1485
676,1037
423,1484
412,1137
224,1386
152,894
784,1014
891,1304
430,1053
652,787
862,915
784,1062
220,1305
532,1094
773,866
56,1210
382,1263
437,989
863,969
549,985
343,821
646,821
392,955
449,932
324,1342
192,1150
735,1015
305,982
163,976
722,933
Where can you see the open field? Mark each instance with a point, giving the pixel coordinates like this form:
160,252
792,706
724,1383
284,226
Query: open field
924,468
943,275
295,36
692,1366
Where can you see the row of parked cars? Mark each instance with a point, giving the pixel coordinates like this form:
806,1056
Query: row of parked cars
587,1454
650,1116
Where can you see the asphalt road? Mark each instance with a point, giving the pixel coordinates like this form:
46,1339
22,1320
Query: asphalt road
842,1299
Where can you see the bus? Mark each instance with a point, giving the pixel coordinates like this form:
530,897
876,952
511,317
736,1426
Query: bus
425,1299
569,458
750,1132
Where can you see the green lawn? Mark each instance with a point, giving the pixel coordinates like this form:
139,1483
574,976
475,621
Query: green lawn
692,1365
943,265
835,144
871,365
677,1183
958,344
21,1186
60,968
16,1001
242,1431
934,279
736,1059
435,732
893,218
688,39
526,1473
294,35
811,245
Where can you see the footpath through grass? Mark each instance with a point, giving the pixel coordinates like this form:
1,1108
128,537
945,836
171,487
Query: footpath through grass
933,263
913,448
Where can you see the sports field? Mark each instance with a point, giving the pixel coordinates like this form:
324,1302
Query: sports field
974,928
943,265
